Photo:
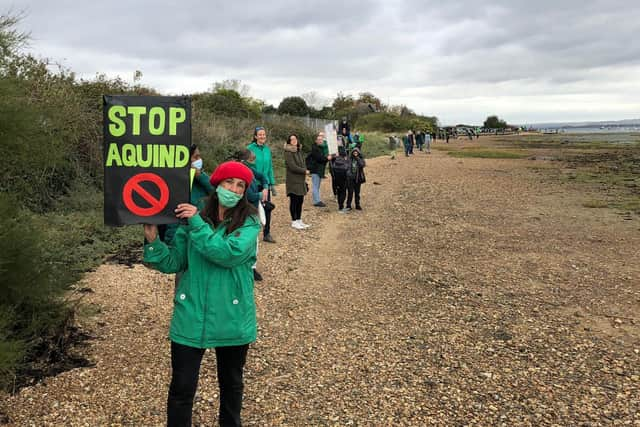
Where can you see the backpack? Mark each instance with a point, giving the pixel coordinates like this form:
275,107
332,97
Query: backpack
341,166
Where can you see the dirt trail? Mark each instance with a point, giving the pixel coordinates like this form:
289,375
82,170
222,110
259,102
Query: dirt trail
468,292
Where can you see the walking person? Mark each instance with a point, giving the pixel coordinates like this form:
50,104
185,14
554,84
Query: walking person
355,178
295,180
318,162
214,306
264,165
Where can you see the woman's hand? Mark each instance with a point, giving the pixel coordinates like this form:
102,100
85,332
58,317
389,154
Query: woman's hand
150,232
185,210
265,195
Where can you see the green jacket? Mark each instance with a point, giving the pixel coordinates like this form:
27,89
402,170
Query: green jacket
201,188
214,304
264,162
259,183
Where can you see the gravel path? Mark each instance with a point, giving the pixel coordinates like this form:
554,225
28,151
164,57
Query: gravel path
468,292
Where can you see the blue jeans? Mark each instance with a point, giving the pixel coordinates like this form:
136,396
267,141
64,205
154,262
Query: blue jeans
315,187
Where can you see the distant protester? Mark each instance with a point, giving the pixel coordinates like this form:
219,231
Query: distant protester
340,167
345,128
355,178
419,140
264,165
257,193
317,161
407,141
295,180
200,190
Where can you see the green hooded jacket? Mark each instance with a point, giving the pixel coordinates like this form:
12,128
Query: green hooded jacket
264,162
214,304
201,189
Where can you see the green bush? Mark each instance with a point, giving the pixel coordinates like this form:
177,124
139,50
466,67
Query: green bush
32,310
226,102
390,122
293,106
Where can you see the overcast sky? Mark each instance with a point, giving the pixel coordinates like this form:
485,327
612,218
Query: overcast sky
526,61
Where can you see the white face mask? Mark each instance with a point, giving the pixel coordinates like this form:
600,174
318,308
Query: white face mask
197,164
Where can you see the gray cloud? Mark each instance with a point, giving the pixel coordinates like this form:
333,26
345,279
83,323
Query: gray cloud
459,60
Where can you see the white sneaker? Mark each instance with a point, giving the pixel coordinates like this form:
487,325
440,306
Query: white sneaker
302,224
296,225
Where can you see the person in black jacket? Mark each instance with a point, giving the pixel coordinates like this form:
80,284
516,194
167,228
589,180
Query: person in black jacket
340,167
355,178
317,164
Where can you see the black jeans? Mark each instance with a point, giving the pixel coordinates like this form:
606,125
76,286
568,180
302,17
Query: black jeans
267,226
341,190
334,186
352,189
185,366
295,206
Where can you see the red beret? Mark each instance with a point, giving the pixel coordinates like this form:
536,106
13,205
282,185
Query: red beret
231,170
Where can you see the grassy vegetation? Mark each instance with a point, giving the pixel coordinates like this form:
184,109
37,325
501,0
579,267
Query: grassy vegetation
608,164
596,204
376,144
487,154
480,152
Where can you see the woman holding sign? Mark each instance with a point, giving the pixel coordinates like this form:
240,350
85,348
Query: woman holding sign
264,165
214,306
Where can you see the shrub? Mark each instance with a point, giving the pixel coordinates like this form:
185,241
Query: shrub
32,311
390,122
293,106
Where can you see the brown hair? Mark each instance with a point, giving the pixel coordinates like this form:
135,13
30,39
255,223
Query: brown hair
237,215
289,141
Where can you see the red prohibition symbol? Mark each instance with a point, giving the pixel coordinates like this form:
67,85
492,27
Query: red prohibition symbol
157,205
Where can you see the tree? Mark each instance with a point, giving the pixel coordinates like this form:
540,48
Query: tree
493,122
370,99
314,100
269,109
343,102
228,102
293,106
232,84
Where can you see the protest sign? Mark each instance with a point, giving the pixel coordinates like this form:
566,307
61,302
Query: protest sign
331,136
147,160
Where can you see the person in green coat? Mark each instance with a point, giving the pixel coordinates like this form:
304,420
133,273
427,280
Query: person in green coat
296,180
264,165
200,190
214,305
